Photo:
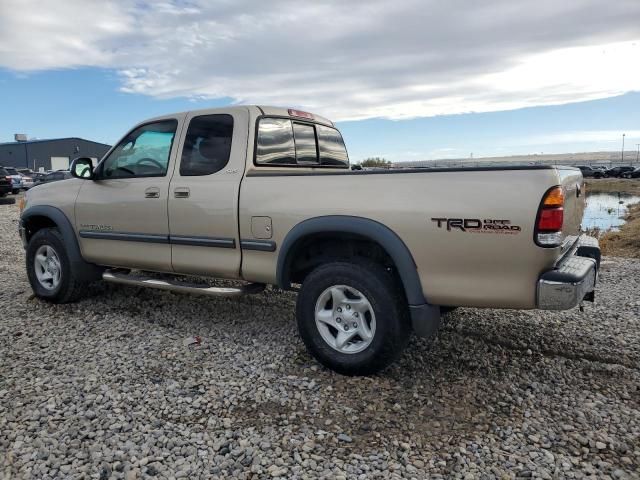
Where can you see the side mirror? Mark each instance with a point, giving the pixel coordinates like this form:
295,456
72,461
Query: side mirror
82,168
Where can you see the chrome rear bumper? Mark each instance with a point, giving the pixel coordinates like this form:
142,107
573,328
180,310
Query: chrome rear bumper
573,279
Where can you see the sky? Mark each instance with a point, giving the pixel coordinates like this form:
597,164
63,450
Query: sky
405,80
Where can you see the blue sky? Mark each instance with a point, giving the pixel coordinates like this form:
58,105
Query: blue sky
406,80
88,103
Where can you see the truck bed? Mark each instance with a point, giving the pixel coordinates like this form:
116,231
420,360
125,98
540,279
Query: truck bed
496,267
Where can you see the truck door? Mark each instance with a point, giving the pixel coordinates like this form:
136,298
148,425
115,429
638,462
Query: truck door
121,216
203,194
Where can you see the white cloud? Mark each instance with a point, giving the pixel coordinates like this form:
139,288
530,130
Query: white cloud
347,60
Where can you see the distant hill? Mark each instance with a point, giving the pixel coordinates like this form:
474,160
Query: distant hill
586,158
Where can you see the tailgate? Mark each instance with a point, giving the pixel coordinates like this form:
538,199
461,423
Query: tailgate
572,183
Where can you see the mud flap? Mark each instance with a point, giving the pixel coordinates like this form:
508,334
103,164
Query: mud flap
425,319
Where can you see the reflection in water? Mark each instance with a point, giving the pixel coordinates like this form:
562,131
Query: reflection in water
605,210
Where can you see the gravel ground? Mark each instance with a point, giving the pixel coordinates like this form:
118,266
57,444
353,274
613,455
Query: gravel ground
105,388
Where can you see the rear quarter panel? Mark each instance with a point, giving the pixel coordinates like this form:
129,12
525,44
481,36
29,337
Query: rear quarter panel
461,268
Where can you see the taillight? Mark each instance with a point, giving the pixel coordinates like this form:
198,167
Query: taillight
548,232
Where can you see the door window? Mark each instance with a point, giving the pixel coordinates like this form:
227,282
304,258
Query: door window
144,152
207,146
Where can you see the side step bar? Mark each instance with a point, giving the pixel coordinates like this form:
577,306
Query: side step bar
115,276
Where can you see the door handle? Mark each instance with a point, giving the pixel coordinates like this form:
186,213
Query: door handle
152,192
181,192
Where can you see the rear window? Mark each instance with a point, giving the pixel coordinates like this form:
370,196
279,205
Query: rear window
11,170
331,146
275,142
3,172
286,142
304,137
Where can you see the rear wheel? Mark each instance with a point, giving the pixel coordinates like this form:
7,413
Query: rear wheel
49,269
352,317
15,191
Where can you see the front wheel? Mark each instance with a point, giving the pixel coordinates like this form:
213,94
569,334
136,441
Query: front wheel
49,269
352,317
15,191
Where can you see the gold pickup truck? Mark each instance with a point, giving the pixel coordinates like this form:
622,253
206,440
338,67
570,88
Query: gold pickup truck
265,195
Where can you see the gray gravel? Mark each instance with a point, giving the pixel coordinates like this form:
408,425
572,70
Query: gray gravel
106,388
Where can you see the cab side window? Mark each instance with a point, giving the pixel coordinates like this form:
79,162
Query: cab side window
144,152
207,145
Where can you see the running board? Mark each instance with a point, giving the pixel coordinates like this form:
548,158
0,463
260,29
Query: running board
114,276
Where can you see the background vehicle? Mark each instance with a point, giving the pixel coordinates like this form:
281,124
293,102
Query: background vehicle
52,177
591,172
16,180
632,174
599,172
618,171
38,177
265,195
27,181
6,184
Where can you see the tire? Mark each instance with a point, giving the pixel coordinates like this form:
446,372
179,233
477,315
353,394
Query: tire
15,191
7,201
383,316
68,288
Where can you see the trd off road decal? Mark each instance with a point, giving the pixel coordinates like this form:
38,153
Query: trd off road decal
101,228
475,225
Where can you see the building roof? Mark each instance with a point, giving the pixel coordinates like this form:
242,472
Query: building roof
51,140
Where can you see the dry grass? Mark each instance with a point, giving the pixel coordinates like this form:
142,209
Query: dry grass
626,242
613,185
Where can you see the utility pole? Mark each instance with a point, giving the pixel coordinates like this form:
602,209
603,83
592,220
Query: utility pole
638,153
623,148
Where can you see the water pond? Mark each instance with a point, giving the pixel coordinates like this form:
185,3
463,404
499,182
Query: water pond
605,210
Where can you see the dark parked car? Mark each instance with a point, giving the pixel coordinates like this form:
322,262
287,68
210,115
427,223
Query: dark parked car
618,171
5,182
632,174
588,171
53,177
